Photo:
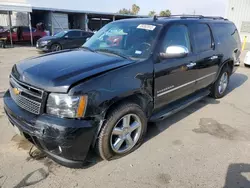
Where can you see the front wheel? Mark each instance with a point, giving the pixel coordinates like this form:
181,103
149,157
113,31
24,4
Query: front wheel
220,86
56,47
122,132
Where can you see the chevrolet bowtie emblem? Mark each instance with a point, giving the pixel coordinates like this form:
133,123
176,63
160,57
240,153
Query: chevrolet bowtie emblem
16,91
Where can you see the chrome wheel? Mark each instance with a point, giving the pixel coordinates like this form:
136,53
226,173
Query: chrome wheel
223,83
126,133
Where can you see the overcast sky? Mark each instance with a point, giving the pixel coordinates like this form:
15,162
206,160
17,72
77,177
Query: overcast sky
205,7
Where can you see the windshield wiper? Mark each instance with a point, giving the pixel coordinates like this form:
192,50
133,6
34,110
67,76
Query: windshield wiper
87,48
112,52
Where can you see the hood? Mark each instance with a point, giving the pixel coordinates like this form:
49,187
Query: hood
56,72
47,38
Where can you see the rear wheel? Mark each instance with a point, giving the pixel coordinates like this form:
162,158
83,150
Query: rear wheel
122,132
220,86
56,47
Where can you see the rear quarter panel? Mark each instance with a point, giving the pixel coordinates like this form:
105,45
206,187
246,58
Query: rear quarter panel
227,41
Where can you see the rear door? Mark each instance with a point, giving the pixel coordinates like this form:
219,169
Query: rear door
74,39
84,36
207,64
174,77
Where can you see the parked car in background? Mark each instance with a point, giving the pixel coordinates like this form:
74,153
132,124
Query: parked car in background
2,29
63,40
101,97
26,37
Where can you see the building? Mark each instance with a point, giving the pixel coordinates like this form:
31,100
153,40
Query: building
57,15
238,11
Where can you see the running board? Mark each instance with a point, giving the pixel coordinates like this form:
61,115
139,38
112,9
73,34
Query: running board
172,109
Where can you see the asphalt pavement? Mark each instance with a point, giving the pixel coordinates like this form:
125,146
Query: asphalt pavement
206,145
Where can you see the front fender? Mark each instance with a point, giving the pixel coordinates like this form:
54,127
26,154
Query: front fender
104,90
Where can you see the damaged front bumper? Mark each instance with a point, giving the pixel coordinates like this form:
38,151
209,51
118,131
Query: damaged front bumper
67,141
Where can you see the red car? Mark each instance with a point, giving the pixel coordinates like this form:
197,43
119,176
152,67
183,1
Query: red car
36,34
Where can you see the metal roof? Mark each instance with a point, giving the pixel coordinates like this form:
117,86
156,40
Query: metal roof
86,12
18,7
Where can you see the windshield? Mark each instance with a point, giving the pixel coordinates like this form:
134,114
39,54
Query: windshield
127,39
60,34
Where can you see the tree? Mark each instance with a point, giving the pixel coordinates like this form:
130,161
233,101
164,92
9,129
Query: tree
135,9
151,13
124,11
165,13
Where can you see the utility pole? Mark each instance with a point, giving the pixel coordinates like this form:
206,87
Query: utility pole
194,12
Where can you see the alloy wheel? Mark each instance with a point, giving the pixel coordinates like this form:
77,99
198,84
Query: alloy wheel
223,83
126,133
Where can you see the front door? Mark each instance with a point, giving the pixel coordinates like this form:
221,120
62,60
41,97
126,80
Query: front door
175,77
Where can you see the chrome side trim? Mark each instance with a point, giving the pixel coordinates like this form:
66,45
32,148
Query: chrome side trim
188,83
171,90
201,78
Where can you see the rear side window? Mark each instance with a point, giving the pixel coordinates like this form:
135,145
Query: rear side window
177,35
86,34
73,34
226,33
202,37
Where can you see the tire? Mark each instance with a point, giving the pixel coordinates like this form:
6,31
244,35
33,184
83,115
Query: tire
220,86
115,131
56,47
247,65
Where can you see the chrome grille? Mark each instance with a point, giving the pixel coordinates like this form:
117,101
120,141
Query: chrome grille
28,97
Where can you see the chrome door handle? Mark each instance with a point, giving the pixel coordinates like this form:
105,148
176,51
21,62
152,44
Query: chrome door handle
190,65
214,57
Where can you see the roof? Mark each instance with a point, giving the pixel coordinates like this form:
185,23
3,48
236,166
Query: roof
84,11
18,7
164,20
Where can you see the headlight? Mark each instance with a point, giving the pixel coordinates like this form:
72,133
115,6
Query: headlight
45,42
63,105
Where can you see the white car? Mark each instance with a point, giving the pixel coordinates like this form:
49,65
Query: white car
247,59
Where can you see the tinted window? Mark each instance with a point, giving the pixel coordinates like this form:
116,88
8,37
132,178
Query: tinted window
202,37
74,34
226,33
26,29
177,35
86,34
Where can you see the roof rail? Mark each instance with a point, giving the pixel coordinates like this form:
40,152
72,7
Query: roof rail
185,16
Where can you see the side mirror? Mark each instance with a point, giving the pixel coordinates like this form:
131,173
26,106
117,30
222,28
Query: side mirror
175,52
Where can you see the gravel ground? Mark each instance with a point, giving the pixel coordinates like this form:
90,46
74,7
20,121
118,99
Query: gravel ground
206,145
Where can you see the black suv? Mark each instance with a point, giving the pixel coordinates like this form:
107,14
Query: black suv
129,73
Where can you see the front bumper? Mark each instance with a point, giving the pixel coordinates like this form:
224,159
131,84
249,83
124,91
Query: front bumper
67,141
43,48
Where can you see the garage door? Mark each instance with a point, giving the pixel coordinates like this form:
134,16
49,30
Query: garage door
59,22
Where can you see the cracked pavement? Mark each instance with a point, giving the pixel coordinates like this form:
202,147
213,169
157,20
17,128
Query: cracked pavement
206,145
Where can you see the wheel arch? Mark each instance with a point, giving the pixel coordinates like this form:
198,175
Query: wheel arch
143,100
227,63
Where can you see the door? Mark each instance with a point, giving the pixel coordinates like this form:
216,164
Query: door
26,33
84,36
175,77
208,58
73,39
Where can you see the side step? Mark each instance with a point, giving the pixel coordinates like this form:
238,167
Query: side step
178,106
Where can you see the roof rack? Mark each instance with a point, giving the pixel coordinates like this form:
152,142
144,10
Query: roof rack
183,16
